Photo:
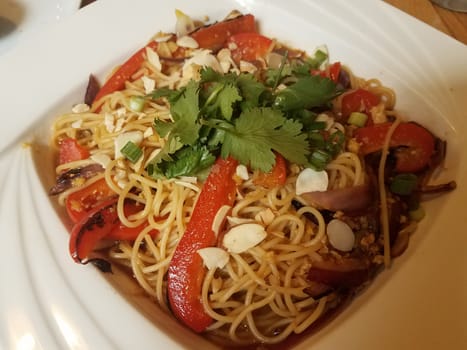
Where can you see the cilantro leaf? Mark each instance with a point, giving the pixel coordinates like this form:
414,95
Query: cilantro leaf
307,92
275,75
251,90
171,95
209,75
163,128
165,155
248,87
225,97
185,110
188,161
259,131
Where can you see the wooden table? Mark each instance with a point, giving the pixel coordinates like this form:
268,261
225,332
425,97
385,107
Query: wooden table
449,22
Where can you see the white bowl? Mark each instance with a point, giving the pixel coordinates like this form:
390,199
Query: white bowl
47,301
22,18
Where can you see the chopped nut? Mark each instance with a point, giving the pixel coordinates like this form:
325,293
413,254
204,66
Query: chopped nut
219,218
80,108
153,58
188,42
214,257
243,237
265,216
242,172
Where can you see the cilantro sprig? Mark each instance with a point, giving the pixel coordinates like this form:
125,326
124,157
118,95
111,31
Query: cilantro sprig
240,116
258,131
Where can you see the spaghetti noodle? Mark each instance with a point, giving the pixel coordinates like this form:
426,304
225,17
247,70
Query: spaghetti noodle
294,273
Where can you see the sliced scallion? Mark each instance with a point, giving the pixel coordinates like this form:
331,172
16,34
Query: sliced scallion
137,103
404,184
131,151
358,119
316,140
317,125
319,159
319,57
335,143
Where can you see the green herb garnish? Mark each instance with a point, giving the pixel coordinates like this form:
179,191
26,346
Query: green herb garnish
131,152
237,115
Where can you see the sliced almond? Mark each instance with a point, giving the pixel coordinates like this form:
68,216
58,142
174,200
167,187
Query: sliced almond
265,216
242,172
219,218
188,42
214,257
310,180
149,84
243,237
153,58
80,108
340,235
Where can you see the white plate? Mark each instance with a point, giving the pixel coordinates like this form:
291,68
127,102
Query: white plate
21,18
49,302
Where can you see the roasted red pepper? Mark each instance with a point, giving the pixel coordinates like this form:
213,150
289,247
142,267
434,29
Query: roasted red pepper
70,150
117,81
124,233
91,229
79,203
102,222
210,37
276,177
214,37
249,46
359,100
416,144
334,71
186,271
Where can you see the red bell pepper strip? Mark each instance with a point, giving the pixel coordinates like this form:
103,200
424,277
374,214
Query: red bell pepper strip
125,233
102,222
70,150
334,70
91,229
249,46
186,271
79,203
276,177
418,144
214,36
117,81
360,100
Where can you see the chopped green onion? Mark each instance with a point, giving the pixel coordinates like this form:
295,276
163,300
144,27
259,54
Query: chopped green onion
319,159
358,119
316,140
404,184
137,103
335,143
417,214
319,57
317,125
131,151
